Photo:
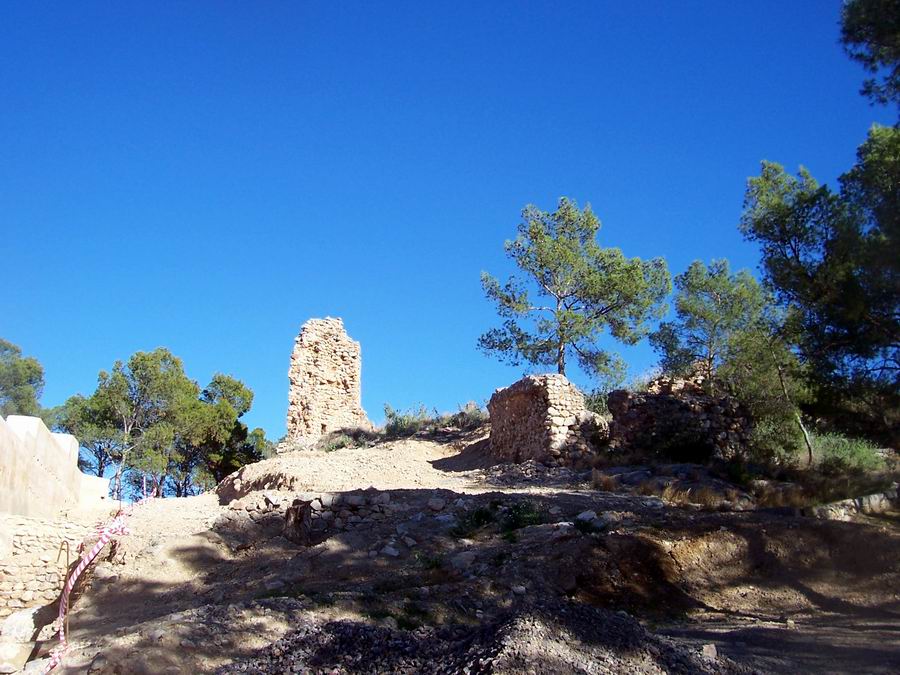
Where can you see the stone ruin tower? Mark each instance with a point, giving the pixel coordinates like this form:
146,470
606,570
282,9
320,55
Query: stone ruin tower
543,417
324,376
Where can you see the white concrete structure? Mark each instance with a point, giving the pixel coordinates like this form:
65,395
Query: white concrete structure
39,476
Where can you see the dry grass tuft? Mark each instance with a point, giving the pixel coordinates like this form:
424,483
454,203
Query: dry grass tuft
600,481
782,496
704,496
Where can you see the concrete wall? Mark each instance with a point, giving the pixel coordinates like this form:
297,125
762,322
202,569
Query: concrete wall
39,476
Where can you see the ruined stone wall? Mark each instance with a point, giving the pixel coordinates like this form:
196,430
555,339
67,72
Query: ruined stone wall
677,419
330,511
32,566
324,393
542,417
39,474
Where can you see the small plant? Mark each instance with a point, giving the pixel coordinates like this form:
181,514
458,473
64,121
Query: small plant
602,481
402,424
737,472
470,416
338,442
519,515
585,526
706,496
430,562
595,401
472,521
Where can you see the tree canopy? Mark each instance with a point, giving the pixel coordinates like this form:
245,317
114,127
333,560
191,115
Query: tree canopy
870,33
161,429
572,291
833,260
712,306
21,381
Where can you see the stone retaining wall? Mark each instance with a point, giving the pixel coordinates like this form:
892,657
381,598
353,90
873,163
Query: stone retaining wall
32,566
334,512
847,508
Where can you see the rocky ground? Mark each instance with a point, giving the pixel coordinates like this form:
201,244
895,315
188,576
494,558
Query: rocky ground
446,563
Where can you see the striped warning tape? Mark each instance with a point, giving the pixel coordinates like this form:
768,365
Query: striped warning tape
115,527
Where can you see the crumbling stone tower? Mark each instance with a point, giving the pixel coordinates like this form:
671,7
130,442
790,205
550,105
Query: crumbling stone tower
324,392
543,417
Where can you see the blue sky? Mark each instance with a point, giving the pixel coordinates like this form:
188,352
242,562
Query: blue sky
206,176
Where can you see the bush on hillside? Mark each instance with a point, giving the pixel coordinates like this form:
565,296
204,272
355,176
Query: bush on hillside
837,454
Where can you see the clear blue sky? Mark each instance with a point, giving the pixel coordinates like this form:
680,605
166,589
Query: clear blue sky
206,176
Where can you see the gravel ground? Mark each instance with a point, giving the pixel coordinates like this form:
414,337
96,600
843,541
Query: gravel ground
560,638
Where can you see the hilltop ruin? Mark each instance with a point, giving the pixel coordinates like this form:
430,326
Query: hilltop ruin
324,393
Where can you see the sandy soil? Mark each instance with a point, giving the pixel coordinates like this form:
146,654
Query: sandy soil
774,592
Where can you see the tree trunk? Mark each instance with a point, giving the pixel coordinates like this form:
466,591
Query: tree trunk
561,359
298,522
787,398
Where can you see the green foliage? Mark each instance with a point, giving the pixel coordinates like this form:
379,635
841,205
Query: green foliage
470,417
472,522
582,290
595,401
838,454
833,259
148,417
90,421
762,372
21,381
870,32
712,307
726,328
429,562
337,442
519,515
402,424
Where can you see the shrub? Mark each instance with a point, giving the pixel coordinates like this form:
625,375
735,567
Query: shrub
472,522
774,440
604,482
346,438
519,515
401,424
837,454
595,401
470,416
337,442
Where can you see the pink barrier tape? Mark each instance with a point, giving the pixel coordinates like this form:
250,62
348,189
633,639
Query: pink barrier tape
115,527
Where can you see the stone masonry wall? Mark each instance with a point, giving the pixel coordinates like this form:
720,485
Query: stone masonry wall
324,378
678,419
542,417
32,568
330,512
